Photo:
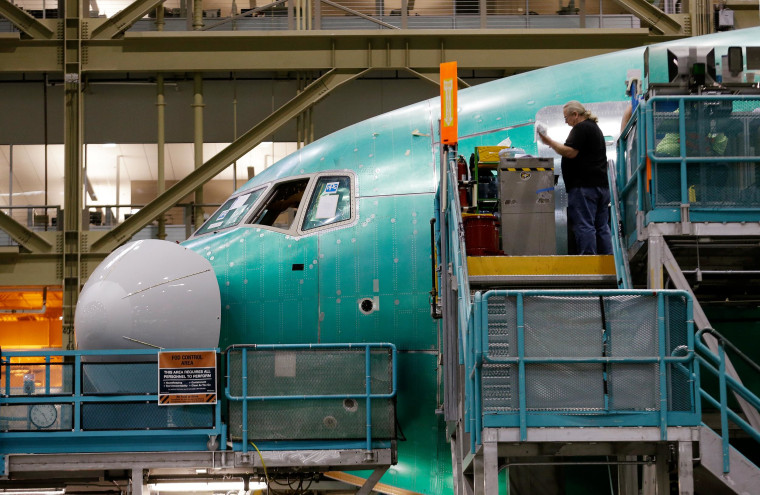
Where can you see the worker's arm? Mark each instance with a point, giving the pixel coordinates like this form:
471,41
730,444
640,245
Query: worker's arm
561,149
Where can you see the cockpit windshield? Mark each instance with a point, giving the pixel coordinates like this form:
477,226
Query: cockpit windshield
231,212
280,209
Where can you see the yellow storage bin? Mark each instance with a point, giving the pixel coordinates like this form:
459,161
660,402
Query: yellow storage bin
488,154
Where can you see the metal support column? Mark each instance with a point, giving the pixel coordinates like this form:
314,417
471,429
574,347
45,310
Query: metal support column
137,481
661,469
456,466
656,477
628,476
478,468
197,15
198,144
72,143
160,145
490,468
685,469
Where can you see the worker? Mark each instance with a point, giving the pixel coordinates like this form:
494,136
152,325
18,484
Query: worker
584,169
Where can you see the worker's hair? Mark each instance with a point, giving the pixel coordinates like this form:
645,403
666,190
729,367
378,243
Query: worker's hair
577,107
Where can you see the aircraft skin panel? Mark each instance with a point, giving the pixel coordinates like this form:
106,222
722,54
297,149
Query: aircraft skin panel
424,456
384,258
265,301
391,154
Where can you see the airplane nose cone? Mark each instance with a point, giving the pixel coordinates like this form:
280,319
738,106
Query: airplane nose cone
149,293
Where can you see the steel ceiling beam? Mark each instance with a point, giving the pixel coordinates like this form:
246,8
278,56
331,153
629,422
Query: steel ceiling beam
25,22
422,50
309,96
22,235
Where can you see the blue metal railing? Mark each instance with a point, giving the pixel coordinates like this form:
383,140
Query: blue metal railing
456,258
622,269
83,392
699,151
246,399
707,360
525,415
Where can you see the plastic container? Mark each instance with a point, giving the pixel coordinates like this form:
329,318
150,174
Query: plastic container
481,235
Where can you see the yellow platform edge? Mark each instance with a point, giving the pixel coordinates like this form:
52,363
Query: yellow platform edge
541,265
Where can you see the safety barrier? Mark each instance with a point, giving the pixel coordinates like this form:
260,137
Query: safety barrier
311,396
581,358
283,397
96,401
700,152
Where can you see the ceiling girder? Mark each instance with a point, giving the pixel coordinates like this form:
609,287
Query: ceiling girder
216,164
222,51
26,270
27,238
25,22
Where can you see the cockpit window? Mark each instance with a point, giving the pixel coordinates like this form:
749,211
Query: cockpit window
280,209
330,203
231,212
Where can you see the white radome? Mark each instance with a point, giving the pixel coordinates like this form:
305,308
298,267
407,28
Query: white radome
146,294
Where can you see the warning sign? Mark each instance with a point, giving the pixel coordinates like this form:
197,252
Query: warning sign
186,377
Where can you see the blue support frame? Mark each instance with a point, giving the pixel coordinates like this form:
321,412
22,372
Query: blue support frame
83,440
477,355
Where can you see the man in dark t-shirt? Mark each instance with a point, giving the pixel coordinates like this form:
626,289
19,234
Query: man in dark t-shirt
584,168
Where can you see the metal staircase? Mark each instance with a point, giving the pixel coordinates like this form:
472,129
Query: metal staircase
701,241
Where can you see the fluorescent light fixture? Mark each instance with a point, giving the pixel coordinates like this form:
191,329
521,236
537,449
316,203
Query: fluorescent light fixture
109,145
211,486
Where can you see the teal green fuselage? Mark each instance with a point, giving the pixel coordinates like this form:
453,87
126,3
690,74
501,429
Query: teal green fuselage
385,253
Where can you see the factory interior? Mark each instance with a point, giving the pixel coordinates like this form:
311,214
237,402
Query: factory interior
241,251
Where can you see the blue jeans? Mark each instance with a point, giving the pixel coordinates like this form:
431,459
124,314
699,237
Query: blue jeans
588,213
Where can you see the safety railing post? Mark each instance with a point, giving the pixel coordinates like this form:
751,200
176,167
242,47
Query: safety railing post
661,336
521,367
244,394
6,361
723,406
77,393
478,362
47,375
368,391
682,132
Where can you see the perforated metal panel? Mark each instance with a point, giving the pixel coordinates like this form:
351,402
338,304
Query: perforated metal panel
145,416
499,381
563,327
286,383
633,332
566,327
